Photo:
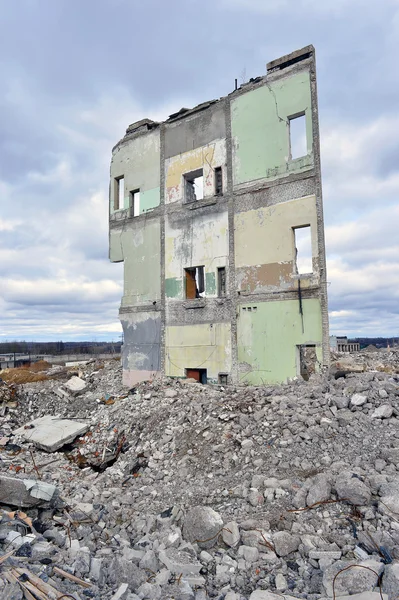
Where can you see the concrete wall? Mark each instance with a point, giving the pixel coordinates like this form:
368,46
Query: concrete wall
268,336
138,243
138,161
198,346
196,130
260,129
205,157
249,230
201,240
141,349
265,246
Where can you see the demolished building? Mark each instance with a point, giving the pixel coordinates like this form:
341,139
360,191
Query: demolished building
217,214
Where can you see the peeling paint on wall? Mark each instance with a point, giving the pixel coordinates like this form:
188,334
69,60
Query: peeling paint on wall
260,129
268,338
198,346
198,241
206,157
265,246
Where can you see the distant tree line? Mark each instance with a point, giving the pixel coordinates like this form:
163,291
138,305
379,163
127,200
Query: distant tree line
22,347
378,342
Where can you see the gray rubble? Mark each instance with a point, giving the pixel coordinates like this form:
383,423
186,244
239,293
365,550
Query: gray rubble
178,490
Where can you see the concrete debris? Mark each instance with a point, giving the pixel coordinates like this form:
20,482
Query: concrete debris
163,497
51,433
25,492
75,385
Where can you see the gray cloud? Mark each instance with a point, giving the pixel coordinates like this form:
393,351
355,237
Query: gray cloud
75,74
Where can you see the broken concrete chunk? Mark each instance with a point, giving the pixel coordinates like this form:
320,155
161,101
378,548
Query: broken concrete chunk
285,543
231,534
390,581
354,580
364,596
384,411
75,385
358,400
202,525
180,561
350,487
319,491
25,492
51,433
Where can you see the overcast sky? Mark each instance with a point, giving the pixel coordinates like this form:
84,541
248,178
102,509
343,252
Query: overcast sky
75,73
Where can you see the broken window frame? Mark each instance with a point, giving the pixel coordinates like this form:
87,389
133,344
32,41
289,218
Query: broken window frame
294,143
218,181
195,275
119,192
310,255
190,193
222,282
134,206
223,378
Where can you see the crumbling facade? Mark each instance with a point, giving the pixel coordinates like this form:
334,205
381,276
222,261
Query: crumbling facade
217,214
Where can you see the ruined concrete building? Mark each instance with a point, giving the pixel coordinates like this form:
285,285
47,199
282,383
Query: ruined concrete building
217,214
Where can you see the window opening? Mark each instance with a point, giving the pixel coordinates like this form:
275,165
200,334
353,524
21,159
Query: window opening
218,181
119,196
223,378
194,186
221,281
199,375
303,250
135,203
298,140
195,282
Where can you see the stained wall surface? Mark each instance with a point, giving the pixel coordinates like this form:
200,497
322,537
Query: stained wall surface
139,245
141,355
199,240
265,246
206,157
138,161
198,346
268,335
260,129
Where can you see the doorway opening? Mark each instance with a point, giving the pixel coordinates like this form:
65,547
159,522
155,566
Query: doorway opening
197,374
307,360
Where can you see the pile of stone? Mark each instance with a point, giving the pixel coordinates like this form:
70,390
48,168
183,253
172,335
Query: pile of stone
178,490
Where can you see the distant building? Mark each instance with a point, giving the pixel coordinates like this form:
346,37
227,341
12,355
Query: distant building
217,215
342,344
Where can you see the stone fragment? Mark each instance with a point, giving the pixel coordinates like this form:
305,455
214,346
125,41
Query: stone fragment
255,497
249,553
281,582
26,492
231,534
124,571
202,525
358,400
285,543
75,385
340,401
121,592
149,591
389,493
51,433
149,561
180,561
354,580
390,581
384,411
319,491
351,488
319,554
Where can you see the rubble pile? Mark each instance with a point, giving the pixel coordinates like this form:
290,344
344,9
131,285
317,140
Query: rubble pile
174,490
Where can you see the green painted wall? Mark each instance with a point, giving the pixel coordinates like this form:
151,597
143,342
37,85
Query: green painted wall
268,338
210,283
139,245
174,287
260,129
149,199
138,161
